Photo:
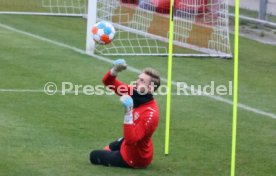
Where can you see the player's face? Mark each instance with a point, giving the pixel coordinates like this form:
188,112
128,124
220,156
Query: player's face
142,84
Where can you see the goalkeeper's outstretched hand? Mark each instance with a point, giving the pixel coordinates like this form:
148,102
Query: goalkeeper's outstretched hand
118,66
127,102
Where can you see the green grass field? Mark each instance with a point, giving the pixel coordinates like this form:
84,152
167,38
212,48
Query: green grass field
53,135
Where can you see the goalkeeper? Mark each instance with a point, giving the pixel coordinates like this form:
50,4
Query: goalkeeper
135,148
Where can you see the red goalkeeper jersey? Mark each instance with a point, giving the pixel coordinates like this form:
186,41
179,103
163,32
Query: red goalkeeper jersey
137,147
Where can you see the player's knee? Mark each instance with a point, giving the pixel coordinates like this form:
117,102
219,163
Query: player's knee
93,157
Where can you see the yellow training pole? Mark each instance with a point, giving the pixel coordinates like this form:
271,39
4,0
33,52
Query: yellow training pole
169,83
235,91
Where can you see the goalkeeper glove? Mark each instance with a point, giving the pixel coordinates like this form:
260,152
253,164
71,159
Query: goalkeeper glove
118,66
127,102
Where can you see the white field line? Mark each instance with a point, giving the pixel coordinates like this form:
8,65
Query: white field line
76,92
35,91
21,90
218,98
56,92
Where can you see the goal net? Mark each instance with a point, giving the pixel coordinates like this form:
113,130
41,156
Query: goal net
200,26
142,26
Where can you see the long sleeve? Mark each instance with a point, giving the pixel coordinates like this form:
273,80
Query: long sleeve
118,87
146,127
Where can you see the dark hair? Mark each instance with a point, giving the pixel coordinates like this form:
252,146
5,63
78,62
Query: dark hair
155,77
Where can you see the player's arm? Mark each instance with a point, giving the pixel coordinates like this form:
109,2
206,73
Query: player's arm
110,80
133,134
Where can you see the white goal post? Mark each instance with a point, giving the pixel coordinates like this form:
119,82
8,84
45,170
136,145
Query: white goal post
142,26
91,20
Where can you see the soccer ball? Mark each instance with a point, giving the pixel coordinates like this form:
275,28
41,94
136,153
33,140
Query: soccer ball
103,32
